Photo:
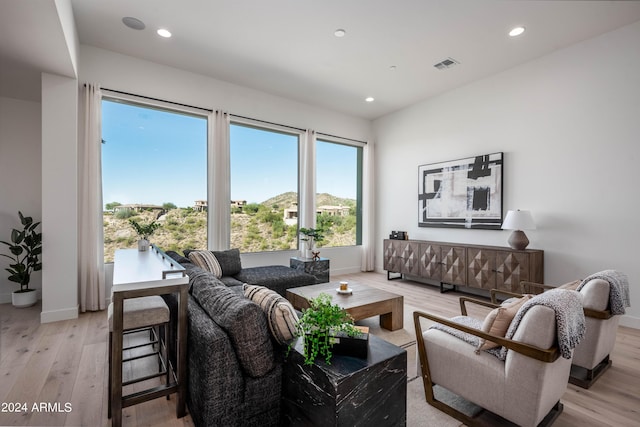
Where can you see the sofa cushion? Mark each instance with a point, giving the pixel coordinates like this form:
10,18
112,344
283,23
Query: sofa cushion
244,322
207,261
231,281
281,316
276,277
498,320
198,275
177,257
229,260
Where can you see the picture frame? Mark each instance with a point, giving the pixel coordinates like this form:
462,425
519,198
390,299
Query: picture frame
463,193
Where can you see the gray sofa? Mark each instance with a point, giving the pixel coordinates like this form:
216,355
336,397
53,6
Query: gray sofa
234,366
276,277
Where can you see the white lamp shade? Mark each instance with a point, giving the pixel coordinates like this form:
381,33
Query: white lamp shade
518,220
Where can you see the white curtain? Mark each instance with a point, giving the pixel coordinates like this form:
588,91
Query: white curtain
306,209
219,190
368,209
90,233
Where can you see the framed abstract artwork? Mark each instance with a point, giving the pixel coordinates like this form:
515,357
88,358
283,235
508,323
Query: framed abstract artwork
465,193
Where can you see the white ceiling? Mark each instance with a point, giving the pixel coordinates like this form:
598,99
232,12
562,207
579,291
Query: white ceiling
287,47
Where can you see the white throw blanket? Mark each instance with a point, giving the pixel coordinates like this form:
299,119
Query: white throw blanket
570,323
618,289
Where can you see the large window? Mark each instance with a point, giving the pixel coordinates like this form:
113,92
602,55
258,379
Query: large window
264,189
154,168
339,193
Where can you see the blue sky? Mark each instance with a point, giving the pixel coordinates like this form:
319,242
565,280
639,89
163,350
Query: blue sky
153,157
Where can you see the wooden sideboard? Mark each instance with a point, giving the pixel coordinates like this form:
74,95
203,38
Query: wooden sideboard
475,266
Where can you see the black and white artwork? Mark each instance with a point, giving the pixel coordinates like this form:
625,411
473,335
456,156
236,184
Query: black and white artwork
465,193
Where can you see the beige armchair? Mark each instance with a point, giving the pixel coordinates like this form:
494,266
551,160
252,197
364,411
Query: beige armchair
523,387
591,357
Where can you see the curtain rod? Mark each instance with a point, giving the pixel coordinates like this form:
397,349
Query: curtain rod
157,99
295,128
266,122
234,115
341,137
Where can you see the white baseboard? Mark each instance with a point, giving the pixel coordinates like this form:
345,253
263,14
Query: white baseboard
57,315
347,270
5,298
630,321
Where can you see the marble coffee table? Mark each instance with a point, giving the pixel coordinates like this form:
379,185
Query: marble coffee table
351,391
364,301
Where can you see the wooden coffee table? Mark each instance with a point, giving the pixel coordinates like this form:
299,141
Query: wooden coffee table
364,302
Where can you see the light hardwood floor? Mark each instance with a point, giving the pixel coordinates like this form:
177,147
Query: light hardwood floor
66,362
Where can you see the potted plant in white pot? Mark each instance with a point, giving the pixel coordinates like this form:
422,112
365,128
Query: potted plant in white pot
25,248
310,236
144,231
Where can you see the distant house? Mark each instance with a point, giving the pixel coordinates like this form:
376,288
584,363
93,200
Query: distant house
138,207
334,210
291,213
239,204
200,206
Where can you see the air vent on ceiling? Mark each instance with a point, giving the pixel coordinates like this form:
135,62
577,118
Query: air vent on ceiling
447,63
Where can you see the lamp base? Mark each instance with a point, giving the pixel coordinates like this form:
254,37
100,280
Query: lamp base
518,240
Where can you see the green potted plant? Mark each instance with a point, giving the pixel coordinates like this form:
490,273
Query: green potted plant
310,236
144,231
319,326
25,248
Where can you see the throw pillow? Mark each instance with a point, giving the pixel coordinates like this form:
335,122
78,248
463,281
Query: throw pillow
207,261
229,260
498,320
281,316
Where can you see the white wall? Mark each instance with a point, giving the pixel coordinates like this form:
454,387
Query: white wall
20,177
128,74
59,198
568,124
120,72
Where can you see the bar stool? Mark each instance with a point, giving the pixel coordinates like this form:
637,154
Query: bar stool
141,314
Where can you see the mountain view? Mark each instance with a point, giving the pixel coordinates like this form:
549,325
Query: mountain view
255,227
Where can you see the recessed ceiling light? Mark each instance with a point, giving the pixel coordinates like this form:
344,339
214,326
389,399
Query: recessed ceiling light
133,23
370,99
393,68
339,32
164,33
516,31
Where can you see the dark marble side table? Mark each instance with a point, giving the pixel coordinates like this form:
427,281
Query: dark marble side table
318,268
349,392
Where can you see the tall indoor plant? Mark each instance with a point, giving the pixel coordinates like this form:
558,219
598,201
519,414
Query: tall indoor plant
25,248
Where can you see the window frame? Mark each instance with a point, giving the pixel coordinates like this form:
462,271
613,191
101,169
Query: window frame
359,178
280,129
168,107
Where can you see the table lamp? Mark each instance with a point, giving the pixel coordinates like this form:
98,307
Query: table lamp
518,220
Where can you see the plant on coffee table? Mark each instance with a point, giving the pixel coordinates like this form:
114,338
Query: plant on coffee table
319,324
